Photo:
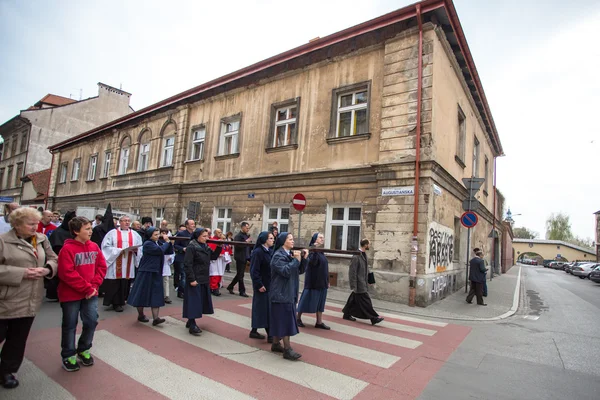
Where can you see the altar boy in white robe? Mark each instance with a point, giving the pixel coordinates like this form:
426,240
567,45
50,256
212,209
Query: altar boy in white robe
119,247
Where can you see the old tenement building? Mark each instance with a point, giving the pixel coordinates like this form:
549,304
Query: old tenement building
335,120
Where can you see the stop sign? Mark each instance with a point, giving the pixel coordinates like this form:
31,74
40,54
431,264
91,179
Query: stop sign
299,201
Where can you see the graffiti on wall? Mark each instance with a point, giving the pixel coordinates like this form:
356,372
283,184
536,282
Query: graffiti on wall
440,241
442,286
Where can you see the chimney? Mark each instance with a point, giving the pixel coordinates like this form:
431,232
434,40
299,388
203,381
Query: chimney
107,90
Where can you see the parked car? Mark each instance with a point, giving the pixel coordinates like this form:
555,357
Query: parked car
595,275
584,270
557,264
576,264
569,266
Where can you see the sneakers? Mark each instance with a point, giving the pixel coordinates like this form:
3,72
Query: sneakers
70,364
85,358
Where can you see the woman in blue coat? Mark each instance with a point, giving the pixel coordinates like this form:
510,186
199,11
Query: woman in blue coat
148,289
286,266
316,284
260,271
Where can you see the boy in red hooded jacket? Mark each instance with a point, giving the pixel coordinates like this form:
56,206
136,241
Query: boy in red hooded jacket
81,270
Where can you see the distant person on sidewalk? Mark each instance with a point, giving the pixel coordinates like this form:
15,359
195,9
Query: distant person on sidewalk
477,275
359,303
241,254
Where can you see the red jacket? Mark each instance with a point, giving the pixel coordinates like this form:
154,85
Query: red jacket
81,269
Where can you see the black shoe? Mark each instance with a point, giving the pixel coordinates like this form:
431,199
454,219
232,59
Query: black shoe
143,318
168,300
270,339
244,295
256,335
51,300
85,358
230,291
349,318
485,295
118,308
9,381
482,304
300,323
158,321
470,302
277,348
376,320
215,293
290,354
194,330
187,324
70,364
179,295
322,326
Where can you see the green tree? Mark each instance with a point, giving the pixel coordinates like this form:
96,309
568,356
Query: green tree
558,227
524,233
579,241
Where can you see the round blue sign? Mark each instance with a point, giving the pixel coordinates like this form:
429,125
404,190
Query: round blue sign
469,219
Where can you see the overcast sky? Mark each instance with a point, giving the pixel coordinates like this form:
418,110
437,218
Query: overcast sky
538,65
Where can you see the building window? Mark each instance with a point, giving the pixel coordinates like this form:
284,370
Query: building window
13,148
284,124
92,167
76,168
457,229
24,138
1,178
159,215
106,170
135,213
487,175
281,215
198,138
222,219
9,175
343,227
19,174
167,154
124,160
350,110
475,172
462,137
63,172
144,155
228,142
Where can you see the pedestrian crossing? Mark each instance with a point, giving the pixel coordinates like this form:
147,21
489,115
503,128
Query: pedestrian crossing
353,360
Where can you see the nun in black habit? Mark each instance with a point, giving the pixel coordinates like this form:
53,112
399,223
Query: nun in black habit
260,272
57,239
98,234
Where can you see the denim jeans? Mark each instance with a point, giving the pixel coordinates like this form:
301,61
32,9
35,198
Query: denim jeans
88,309
179,278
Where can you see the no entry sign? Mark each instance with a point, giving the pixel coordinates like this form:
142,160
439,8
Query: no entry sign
469,219
299,201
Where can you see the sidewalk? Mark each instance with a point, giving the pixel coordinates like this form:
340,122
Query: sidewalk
502,301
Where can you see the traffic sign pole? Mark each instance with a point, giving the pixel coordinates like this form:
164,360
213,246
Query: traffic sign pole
299,202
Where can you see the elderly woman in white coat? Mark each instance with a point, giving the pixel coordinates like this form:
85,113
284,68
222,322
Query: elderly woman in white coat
26,258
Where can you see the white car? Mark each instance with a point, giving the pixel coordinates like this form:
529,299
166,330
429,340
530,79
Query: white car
584,270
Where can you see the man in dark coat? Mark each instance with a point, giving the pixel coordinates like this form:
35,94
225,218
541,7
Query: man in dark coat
57,239
241,254
180,248
477,275
98,233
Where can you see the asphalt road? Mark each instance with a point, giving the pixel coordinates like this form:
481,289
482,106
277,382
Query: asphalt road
550,349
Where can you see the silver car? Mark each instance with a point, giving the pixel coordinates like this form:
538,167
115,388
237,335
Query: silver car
584,270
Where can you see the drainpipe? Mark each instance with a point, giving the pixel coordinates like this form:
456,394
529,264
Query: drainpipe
49,180
414,248
494,226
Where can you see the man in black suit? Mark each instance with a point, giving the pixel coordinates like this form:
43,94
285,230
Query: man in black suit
241,254
477,276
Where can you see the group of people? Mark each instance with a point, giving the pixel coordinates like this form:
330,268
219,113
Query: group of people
88,259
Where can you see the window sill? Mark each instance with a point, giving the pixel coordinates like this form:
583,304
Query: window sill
227,156
336,140
163,167
74,180
460,162
281,148
200,160
103,178
62,183
90,180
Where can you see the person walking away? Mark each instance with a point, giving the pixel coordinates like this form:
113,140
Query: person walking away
260,271
180,245
25,259
477,274
316,283
4,223
119,247
217,267
81,270
241,254
147,290
197,299
359,303
57,240
228,251
286,266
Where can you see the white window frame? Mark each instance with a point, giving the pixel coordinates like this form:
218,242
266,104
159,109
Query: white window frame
107,159
233,134
92,165
226,220
168,151
287,123
76,169
159,215
64,169
345,223
267,221
352,109
198,143
123,160
144,157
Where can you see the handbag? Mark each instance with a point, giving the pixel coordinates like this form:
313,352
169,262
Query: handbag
371,278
